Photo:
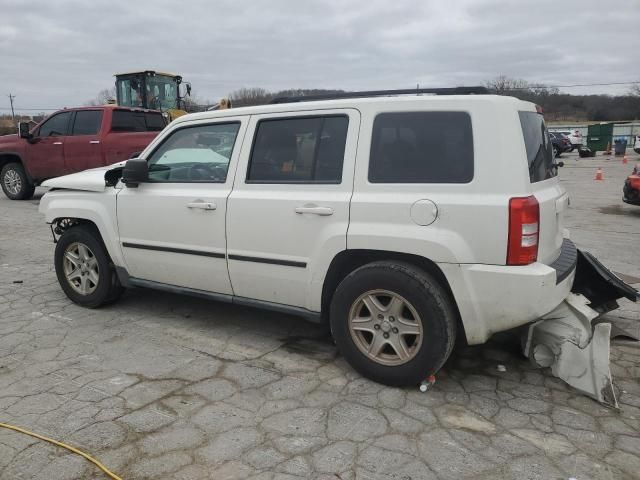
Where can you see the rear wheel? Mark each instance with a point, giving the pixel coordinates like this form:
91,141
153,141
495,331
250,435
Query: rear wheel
393,323
85,271
15,183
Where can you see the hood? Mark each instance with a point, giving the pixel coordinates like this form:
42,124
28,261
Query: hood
92,180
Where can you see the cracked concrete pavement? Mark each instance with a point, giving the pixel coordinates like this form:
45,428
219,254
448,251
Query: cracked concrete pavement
160,386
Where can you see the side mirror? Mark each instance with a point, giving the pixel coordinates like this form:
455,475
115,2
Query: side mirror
23,131
135,172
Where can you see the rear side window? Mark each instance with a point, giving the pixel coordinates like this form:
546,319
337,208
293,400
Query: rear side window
421,147
299,150
538,145
87,122
128,121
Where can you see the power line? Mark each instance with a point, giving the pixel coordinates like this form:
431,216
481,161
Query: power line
32,109
530,86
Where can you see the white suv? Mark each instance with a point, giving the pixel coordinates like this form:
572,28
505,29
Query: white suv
403,221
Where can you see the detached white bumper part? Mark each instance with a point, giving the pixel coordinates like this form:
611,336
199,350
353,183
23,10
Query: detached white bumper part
576,350
571,341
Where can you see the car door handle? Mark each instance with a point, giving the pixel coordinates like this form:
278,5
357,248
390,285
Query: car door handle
202,205
57,143
322,211
94,141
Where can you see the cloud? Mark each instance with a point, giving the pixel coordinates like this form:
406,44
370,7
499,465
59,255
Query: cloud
55,54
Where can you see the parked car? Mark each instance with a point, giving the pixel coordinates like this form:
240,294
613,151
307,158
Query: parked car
636,145
560,143
393,218
631,188
72,140
575,138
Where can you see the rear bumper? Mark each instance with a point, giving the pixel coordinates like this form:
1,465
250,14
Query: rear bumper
494,298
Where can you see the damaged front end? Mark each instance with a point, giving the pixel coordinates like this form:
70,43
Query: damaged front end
572,340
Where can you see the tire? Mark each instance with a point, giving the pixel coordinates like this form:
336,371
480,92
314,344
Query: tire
95,282
15,183
426,307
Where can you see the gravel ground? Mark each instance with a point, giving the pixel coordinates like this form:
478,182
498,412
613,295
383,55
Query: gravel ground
161,386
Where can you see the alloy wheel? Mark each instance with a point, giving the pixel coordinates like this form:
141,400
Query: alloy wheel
81,268
12,182
385,327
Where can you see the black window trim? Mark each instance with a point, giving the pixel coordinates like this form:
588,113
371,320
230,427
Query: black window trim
73,122
473,176
297,182
67,130
184,127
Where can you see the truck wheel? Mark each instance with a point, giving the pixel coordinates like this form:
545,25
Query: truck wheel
393,323
15,183
85,271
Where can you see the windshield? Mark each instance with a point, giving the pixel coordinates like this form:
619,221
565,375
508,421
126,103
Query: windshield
538,145
161,92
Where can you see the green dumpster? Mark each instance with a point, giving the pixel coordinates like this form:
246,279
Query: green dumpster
599,136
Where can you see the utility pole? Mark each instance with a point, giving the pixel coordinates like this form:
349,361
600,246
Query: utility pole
13,114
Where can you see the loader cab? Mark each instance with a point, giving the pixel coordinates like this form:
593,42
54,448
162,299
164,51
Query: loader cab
152,90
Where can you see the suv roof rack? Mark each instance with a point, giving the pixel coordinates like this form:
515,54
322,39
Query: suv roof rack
385,93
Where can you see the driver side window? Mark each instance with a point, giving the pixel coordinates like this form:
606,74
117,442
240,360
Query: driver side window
56,126
195,154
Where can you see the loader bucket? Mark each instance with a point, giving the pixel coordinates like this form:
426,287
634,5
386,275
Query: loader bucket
571,340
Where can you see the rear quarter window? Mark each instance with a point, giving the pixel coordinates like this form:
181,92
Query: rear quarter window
129,121
421,147
538,146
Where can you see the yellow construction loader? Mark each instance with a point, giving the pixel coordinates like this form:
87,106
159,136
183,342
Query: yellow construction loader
153,90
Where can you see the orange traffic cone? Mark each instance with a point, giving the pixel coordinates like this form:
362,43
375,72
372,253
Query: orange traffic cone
599,174
625,160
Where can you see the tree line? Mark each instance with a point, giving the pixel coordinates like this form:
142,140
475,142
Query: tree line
560,106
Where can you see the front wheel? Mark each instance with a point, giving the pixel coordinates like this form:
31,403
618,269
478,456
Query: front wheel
393,323
83,267
15,183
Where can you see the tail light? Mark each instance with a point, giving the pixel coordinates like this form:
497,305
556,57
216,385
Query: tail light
524,229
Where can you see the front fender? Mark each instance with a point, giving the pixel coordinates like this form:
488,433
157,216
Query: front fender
96,207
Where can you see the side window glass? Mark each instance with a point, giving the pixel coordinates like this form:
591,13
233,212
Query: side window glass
195,154
56,126
299,150
87,122
421,147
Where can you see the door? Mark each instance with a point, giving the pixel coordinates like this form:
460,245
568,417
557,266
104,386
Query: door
289,208
172,228
46,151
82,148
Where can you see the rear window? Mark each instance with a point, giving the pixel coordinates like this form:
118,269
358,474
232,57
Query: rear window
538,146
421,147
128,121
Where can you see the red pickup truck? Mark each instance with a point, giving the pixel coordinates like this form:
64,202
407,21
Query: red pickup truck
72,140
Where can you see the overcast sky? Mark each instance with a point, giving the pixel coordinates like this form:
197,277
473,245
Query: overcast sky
62,53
